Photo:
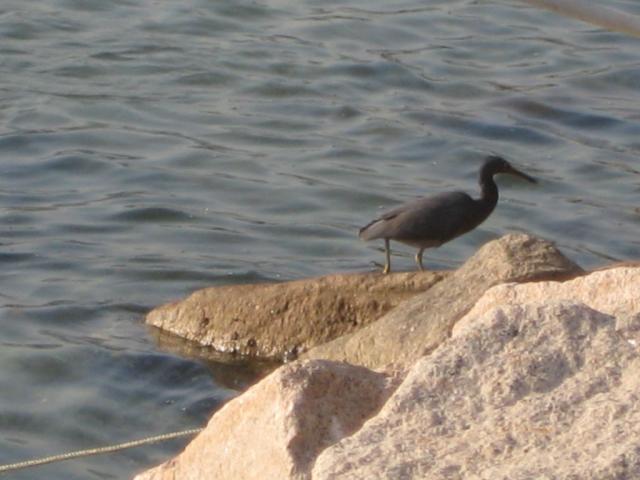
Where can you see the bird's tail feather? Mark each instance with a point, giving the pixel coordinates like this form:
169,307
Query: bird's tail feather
365,232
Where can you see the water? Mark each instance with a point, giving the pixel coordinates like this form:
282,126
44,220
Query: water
150,148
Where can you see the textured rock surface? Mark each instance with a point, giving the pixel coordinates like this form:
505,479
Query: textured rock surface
615,291
276,319
522,392
531,383
420,324
275,430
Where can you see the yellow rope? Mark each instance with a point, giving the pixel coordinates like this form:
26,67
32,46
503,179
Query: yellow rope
97,451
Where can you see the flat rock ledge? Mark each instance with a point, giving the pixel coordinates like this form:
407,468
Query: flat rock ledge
366,319
536,380
281,320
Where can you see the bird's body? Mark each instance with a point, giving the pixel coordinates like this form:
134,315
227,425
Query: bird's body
431,221
402,222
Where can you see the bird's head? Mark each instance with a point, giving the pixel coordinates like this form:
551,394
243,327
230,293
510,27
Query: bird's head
494,164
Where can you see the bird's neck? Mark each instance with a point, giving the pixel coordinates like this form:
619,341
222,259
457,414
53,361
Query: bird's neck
489,192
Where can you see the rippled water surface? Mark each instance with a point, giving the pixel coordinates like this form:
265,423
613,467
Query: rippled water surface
149,148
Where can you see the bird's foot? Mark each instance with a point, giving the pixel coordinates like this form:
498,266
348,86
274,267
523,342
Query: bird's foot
385,269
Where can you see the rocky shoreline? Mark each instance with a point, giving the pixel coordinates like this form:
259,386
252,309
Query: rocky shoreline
517,365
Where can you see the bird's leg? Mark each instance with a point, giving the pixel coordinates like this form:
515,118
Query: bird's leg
419,259
387,252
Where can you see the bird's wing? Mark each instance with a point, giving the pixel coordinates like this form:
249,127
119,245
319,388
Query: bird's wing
433,220
370,230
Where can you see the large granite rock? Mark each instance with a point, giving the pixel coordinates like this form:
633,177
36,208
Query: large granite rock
532,383
614,291
276,429
540,390
420,324
278,320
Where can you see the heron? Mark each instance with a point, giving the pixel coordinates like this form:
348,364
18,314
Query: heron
432,221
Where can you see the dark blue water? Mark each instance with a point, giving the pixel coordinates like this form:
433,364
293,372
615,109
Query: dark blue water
150,148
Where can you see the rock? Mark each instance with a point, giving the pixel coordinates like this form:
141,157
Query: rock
276,429
420,324
615,291
277,320
546,390
531,383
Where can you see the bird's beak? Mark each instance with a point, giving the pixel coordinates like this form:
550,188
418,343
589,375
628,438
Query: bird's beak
518,173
